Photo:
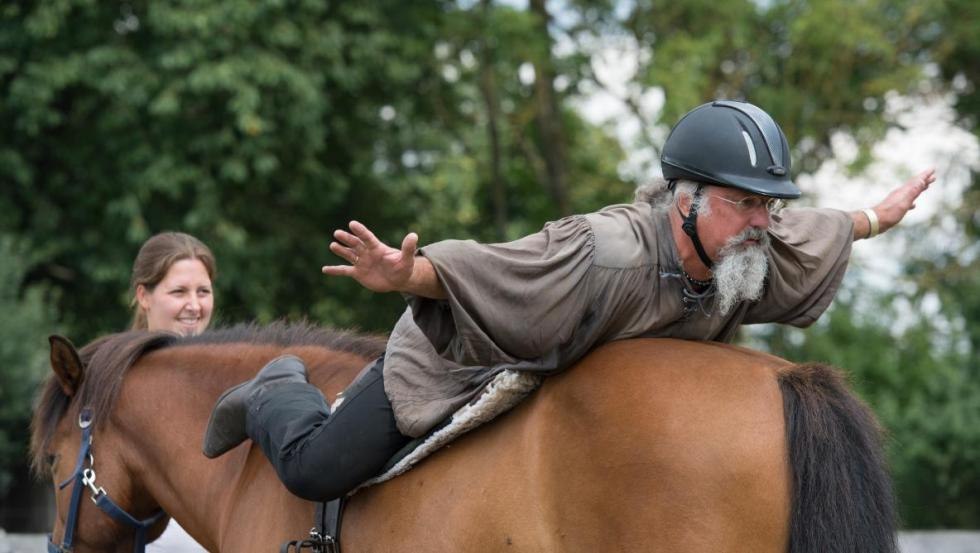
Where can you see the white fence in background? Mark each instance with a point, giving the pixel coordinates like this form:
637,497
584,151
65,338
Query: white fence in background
947,541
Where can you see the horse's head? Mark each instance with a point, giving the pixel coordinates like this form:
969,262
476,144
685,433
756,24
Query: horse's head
75,442
139,402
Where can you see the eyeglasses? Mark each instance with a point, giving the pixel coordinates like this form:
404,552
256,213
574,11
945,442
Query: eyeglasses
752,203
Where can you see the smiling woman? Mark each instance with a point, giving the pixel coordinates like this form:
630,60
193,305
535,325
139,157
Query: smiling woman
171,284
171,291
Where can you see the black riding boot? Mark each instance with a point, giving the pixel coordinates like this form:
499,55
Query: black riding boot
321,456
226,426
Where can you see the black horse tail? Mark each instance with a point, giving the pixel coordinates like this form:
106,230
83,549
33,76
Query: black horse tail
843,501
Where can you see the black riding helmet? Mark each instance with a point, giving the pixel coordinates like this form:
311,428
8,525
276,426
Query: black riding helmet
727,143
734,144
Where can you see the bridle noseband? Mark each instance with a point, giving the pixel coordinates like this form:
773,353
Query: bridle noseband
84,476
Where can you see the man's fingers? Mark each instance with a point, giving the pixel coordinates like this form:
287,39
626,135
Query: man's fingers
347,239
925,178
918,184
347,253
366,236
338,270
409,244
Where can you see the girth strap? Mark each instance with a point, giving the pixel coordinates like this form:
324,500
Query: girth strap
330,514
325,534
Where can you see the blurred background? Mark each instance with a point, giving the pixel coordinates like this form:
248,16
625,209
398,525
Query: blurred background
262,125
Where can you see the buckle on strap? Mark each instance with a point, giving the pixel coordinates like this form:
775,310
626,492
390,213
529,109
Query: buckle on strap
84,476
315,543
325,534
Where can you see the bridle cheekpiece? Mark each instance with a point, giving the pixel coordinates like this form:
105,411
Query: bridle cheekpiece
84,477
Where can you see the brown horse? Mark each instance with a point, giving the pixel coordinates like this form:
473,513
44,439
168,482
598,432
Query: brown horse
645,445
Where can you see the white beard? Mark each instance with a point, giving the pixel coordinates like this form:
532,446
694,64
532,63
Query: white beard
741,270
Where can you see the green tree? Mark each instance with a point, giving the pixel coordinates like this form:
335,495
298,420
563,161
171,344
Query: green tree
254,125
260,127
492,178
25,325
951,274
817,66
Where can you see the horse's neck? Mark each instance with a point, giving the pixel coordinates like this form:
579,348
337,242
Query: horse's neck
166,406
160,412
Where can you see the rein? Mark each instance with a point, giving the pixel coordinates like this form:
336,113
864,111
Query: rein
84,476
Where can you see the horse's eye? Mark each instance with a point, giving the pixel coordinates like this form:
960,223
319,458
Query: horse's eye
49,460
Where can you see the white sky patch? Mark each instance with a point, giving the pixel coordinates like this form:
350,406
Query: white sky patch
616,61
467,59
927,137
450,73
525,73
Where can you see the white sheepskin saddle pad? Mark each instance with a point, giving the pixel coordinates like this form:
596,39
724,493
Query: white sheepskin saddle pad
504,392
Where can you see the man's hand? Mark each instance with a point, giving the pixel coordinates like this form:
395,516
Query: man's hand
896,204
381,268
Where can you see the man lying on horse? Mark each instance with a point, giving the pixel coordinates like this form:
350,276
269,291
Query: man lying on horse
700,253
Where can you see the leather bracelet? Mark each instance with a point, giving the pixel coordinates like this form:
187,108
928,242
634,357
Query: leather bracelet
872,222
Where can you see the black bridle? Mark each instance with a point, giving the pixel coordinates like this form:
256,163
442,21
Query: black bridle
84,476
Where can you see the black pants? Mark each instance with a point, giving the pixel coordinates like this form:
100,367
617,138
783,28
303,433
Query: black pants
320,455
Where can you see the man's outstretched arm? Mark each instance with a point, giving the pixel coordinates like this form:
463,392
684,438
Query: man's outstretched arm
893,208
381,268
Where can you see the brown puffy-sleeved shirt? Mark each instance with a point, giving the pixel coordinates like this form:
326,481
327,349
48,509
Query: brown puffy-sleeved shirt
542,302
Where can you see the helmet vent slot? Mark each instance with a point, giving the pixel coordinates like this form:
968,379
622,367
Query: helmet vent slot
751,147
769,131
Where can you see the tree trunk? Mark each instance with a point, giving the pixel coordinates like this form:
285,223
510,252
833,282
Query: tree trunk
488,89
548,118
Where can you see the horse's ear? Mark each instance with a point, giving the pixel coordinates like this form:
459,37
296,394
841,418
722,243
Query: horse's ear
66,364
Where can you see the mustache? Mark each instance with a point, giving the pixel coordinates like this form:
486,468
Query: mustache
751,233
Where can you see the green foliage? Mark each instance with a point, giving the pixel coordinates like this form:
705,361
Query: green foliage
956,48
945,454
951,273
259,127
25,325
818,66
250,124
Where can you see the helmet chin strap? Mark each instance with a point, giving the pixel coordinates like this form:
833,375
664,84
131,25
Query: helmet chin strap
690,227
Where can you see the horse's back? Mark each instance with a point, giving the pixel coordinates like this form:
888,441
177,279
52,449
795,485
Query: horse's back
644,445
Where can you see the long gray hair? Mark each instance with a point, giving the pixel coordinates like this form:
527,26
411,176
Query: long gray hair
660,196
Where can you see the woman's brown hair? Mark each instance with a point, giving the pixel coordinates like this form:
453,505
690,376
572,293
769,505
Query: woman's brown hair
155,258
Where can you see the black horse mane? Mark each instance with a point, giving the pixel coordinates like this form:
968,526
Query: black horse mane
107,359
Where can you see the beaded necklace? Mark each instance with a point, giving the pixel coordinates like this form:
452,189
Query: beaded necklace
697,282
